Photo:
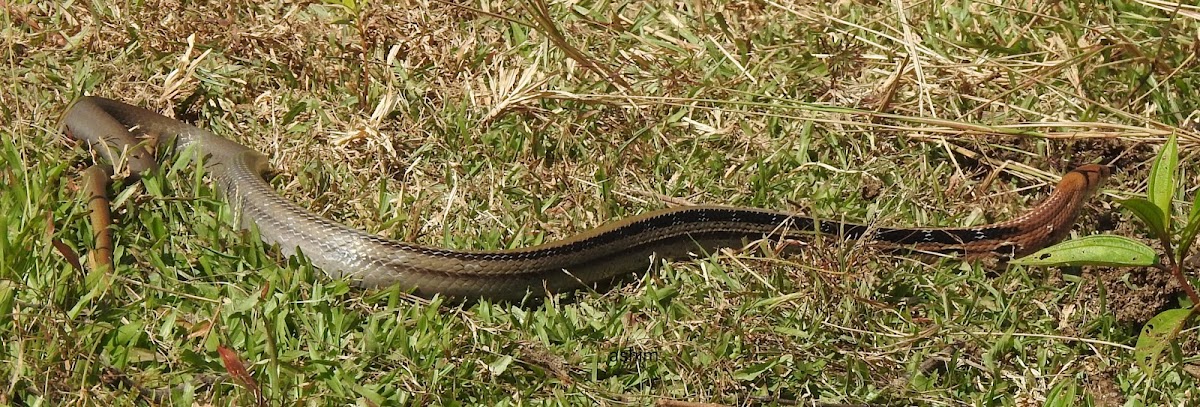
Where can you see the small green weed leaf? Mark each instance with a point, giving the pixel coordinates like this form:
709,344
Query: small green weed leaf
1189,231
499,366
1149,213
1062,395
1099,250
753,371
239,305
129,334
4,242
98,283
368,393
999,348
1156,335
7,295
1162,176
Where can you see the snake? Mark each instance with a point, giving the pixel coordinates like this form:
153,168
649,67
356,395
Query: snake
588,260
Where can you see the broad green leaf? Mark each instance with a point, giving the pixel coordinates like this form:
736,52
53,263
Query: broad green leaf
1162,176
1156,335
1149,213
1099,250
1189,231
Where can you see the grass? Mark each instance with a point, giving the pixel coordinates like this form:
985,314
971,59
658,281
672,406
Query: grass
478,126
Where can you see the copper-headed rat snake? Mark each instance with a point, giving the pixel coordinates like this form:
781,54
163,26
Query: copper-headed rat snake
593,257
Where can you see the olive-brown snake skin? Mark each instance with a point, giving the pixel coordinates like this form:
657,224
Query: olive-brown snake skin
594,257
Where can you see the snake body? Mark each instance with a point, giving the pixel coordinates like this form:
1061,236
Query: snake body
591,258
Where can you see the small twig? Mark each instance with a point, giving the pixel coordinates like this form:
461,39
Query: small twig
681,403
1176,269
545,24
365,75
486,13
890,88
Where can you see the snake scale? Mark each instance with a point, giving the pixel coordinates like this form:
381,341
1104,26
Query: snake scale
594,257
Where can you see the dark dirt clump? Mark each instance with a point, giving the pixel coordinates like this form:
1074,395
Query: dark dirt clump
1135,295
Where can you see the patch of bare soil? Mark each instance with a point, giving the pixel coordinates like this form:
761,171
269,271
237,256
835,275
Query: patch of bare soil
1134,295
1122,155
1104,390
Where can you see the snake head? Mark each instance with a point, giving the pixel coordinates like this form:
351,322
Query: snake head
1092,176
